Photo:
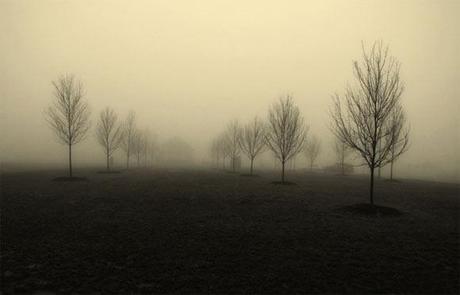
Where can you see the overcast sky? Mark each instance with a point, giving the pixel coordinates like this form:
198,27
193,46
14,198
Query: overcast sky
188,67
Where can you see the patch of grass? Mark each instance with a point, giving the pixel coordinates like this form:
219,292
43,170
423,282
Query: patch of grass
109,172
199,231
283,183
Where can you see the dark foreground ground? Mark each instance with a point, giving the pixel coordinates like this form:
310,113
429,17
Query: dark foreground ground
216,232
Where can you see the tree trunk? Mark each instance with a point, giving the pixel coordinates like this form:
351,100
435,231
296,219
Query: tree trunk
282,171
372,186
108,168
70,160
252,164
391,170
392,160
342,163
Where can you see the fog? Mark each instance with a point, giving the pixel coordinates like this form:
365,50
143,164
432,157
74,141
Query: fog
189,67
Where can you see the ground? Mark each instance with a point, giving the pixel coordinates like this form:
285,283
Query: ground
209,231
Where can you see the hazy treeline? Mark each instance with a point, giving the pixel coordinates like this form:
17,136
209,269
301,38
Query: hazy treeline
69,118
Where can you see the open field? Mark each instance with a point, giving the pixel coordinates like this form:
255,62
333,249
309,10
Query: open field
208,231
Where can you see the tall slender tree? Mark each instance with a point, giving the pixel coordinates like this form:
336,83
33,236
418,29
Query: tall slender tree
127,139
286,131
362,116
341,150
108,133
232,136
252,140
312,150
68,116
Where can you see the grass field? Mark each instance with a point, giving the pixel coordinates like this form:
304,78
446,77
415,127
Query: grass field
208,231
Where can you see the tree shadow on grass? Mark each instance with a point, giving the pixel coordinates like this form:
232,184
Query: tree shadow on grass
69,179
364,209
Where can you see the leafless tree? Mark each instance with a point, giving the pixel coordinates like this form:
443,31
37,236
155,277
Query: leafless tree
341,150
129,129
231,139
312,150
362,117
225,148
108,133
145,145
252,140
286,131
216,151
69,114
399,134
138,145
153,148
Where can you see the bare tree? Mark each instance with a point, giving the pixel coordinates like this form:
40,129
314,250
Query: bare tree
252,140
363,119
108,133
129,129
286,131
69,114
216,151
341,150
138,145
312,150
231,139
399,134
225,148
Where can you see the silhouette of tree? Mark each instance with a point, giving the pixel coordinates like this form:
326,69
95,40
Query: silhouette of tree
252,140
312,150
362,117
341,150
137,145
216,151
129,129
231,139
69,114
108,133
224,148
286,131
145,145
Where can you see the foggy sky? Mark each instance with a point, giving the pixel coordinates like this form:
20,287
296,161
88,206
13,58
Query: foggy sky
188,67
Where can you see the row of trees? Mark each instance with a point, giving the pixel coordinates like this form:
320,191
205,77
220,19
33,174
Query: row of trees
69,117
284,134
367,120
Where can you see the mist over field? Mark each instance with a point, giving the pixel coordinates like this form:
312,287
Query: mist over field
189,68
